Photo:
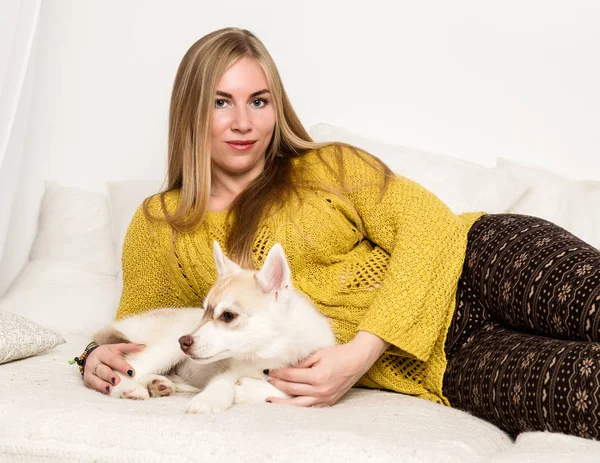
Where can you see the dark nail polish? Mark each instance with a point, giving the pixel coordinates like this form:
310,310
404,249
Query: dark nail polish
107,388
130,372
266,372
113,380
268,401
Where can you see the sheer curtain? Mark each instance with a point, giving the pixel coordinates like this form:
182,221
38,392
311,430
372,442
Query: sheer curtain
18,26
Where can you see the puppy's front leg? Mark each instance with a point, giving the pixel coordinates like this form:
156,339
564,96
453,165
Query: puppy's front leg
153,360
216,397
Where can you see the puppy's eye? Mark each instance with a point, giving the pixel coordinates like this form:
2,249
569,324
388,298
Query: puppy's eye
228,316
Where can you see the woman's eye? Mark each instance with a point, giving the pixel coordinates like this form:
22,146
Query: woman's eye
228,316
220,103
261,102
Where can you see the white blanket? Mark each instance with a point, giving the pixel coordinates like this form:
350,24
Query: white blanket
46,414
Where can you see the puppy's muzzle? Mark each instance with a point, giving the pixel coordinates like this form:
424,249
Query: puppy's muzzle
186,342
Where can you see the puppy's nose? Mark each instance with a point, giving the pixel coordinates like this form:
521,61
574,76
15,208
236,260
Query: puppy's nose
186,342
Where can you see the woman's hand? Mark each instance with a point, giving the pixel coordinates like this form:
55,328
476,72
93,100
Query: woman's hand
103,360
327,374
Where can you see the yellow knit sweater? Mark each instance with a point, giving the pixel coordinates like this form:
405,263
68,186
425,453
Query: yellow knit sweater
398,281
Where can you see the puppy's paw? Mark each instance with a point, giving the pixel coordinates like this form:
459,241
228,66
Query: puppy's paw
248,390
128,388
159,386
207,404
239,396
136,392
253,390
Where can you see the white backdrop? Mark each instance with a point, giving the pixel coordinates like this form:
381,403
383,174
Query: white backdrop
469,78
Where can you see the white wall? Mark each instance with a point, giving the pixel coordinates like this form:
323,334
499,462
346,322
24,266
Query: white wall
469,78
473,79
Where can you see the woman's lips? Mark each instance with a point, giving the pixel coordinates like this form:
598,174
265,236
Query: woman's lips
241,147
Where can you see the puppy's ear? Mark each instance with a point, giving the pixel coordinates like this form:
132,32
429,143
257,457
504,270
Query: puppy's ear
224,264
275,273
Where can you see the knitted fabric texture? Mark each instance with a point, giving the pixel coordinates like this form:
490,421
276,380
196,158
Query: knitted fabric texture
397,279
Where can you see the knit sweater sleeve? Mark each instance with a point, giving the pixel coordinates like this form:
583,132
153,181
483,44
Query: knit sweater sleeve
426,243
148,282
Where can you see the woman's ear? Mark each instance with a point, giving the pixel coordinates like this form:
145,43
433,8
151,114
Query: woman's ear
223,263
275,273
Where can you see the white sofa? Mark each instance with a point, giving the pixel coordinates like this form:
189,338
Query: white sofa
71,286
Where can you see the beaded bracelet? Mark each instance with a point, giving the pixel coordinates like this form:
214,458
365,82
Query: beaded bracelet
81,359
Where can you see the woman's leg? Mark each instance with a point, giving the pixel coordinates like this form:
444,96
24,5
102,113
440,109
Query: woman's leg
523,382
534,276
470,316
529,275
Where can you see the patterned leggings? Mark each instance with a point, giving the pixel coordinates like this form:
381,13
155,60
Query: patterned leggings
523,347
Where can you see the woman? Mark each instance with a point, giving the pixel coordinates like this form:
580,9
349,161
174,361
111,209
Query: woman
495,314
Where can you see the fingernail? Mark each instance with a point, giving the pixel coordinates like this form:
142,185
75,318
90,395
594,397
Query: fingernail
266,372
268,401
130,372
113,380
107,388
142,345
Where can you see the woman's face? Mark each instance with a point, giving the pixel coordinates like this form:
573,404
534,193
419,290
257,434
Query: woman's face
243,112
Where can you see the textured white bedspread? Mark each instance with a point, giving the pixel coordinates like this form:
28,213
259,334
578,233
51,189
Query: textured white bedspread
46,414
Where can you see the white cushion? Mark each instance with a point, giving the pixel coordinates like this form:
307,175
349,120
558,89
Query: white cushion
462,185
74,227
21,338
586,211
63,297
570,204
69,285
538,446
124,198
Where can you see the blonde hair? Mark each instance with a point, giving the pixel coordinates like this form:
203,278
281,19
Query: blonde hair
189,144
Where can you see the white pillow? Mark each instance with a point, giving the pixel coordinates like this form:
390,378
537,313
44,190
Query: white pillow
21,338
69,285
586,210
573,205
63,297
462,185
74,227
124,199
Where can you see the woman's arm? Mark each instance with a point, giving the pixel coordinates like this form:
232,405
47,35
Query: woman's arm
326,375
426,245
372,345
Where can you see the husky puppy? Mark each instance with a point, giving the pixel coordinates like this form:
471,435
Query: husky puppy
251,321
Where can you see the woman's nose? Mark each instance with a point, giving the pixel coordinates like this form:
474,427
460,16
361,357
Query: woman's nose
241,120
